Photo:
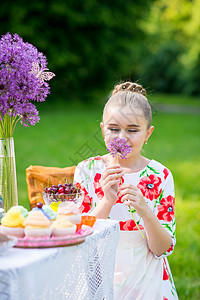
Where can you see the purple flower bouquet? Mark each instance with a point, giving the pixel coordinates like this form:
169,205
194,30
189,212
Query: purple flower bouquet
23,76
22,80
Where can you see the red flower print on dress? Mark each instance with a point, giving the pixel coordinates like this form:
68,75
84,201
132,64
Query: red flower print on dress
165,271
171,248
93,158
85,207
87,201
166,209
98,189
97,158
149,186
165,275
119,198
129,225
164,298
166,173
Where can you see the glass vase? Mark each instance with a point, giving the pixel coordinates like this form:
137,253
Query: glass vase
8,179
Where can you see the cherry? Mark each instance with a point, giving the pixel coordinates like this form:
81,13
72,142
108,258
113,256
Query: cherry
73,190
54,190
67,190
39,205
61,190
49,190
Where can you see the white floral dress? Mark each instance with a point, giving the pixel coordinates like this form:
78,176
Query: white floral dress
139,274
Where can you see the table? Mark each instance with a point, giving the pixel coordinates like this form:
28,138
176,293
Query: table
83,271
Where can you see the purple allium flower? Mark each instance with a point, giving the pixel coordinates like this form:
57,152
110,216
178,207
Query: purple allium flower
119,146
23,72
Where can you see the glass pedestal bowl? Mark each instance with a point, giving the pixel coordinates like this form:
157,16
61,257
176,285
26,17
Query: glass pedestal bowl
77,198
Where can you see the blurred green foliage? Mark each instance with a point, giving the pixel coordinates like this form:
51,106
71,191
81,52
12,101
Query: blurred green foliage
162,69
172,60
89,44
92,45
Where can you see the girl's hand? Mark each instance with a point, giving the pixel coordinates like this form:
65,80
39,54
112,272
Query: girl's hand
132,196
110,182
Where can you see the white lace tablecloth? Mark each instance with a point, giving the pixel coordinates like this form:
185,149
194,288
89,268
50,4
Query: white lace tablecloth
84,271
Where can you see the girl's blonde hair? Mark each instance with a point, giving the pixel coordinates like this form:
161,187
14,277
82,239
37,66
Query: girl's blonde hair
134,95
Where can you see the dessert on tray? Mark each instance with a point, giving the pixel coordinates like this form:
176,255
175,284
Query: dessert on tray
47,211
37,224
52,215
43,227
70,211
23,210
61,227
13,223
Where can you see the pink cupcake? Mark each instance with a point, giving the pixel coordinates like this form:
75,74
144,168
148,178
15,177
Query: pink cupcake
70,211
37,224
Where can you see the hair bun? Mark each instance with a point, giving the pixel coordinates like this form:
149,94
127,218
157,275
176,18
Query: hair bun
129,87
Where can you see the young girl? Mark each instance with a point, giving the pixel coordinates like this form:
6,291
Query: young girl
118,188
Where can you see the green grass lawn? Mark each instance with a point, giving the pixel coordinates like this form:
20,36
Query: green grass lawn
67,134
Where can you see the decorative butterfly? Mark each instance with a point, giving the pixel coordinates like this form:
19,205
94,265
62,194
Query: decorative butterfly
40,74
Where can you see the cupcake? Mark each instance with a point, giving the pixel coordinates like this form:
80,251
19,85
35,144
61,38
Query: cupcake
23,210
37,224
52,215
61,227
47,211
70,211
13,223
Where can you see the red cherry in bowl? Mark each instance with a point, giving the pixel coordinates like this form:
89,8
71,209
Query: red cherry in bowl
61,190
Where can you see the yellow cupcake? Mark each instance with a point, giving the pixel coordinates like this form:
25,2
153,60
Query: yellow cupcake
61,227
13,223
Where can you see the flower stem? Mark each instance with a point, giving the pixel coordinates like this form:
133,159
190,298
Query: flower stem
14,123
130,207
136,223
8,183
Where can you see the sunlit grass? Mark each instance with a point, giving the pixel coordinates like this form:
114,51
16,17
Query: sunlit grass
184,261
67,134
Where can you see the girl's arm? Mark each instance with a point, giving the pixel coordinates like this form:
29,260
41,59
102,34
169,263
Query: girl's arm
158,238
